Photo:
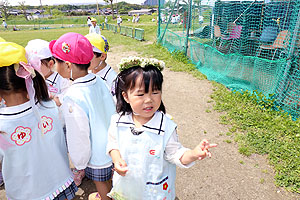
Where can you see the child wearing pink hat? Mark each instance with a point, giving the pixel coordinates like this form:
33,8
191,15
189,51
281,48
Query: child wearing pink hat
87,108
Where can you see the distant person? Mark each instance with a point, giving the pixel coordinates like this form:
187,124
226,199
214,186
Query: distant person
119,21
94,28
153,19
133,19
106,20
88,21
4,24
200,19
137,19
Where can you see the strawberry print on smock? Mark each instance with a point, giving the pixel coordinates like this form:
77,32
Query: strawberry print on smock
21,135
47,123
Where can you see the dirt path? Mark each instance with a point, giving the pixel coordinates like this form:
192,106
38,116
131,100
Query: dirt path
226,176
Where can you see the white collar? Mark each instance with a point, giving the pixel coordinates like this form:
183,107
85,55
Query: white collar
53,78
15,111
155,125
88,79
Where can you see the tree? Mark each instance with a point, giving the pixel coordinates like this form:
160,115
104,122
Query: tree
4,8
23,8
111,6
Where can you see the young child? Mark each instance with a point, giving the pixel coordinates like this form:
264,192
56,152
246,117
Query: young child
39,55
33,153
143,142
87,108
94,28
98,63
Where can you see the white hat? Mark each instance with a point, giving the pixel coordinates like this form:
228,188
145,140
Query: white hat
38,48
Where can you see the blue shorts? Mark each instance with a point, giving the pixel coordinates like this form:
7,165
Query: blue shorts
101,175
68,193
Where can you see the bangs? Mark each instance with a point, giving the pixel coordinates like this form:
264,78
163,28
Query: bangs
150,74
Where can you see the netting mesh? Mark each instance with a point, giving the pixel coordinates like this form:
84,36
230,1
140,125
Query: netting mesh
249,45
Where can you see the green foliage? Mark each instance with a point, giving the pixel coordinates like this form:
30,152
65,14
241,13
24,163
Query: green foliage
264,131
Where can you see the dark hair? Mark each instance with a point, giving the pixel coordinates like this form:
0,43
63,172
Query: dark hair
80,66
47,60
97,54
126,80
10,82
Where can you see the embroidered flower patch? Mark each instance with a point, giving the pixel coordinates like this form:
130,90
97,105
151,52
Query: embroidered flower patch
21,135
47,124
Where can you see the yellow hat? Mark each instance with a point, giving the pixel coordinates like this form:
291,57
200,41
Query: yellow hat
93,19
11,53
99,42
1,39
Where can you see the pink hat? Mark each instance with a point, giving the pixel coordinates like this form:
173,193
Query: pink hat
72,47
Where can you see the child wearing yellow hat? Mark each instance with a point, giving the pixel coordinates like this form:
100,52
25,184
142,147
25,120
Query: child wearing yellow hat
94,28
31,136
98,64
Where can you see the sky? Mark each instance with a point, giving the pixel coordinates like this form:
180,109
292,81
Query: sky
53,2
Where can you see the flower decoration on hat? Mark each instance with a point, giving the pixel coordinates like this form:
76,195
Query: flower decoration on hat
66,48
106,45
129,62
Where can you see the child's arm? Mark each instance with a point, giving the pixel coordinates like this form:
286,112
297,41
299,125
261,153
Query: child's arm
198,153
78,134
112,147
119,163
184,157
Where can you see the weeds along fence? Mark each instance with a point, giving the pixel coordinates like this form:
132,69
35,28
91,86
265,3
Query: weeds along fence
245,45
135,33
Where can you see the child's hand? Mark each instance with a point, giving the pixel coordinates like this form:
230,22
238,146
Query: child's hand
121,167
202,149
56,99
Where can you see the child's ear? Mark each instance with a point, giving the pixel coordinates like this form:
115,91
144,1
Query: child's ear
103,56
69,65
125,96
51,64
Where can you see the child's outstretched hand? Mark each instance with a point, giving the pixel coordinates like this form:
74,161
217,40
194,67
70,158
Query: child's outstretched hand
202,149
121,167
198,153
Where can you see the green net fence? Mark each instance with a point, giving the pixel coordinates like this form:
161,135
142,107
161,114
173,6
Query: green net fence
139,34
248,45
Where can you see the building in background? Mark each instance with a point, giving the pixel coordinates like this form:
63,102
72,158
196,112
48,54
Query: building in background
153,2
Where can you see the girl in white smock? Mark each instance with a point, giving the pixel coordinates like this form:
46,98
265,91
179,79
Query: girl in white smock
142,141
33,152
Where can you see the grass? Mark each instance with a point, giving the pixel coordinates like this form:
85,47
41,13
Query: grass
254,125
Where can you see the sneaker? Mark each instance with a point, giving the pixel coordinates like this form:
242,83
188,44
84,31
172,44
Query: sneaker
78,176
94,196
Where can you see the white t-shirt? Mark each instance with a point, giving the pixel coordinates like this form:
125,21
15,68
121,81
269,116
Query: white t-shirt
95,29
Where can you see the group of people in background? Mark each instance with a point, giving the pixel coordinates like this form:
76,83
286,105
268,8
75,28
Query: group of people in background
85,111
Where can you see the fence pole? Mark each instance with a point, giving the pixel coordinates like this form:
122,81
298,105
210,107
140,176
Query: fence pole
291,52
168,22
159,20
188,27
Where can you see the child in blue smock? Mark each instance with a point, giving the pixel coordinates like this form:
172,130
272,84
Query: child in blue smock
87,109
33,151
143,142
